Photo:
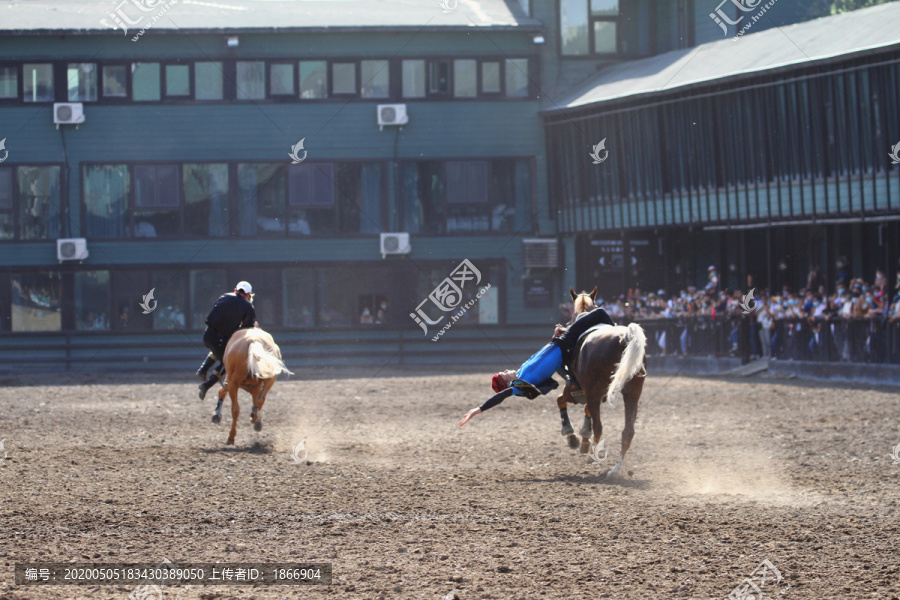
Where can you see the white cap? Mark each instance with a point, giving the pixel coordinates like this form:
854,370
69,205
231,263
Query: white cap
243,286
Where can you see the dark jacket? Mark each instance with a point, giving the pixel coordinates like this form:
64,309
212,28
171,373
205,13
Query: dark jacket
230,313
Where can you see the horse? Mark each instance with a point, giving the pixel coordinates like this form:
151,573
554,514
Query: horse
252,362
610,365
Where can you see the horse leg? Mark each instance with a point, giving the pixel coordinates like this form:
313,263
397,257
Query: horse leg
567,429
590,408
217,414
631,393
235,411
258,402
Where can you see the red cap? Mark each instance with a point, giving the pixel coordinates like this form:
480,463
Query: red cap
498,383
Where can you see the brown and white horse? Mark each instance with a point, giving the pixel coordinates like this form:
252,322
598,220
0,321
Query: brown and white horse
610,365
252,363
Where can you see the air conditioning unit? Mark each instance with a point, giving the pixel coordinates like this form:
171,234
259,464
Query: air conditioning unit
540,254
68,113
394,243
392,114
71,249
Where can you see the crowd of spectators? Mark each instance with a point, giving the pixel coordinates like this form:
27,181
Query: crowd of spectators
775,316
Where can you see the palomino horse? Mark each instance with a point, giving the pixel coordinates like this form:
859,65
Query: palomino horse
610,365
252,363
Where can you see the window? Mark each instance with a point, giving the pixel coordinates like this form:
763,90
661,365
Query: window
261,198
206,287
107,198
375,78
205,191
145,82
345,293
82,82
7,222
490,77
39,202
37,82
311,198
413,78
9,83
313,79
281,79
360,197
343,78
439,77
178,81
465,78
422,193
92,294
115,81
156,200
466,182
299,289
483,311
208,81
251,80
589,26
169,294
517,77
35,301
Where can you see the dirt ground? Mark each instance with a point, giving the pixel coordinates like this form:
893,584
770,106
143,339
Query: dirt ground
722,475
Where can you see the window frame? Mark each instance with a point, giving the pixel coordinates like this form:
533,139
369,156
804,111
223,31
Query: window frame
294,94
164,83
19,98
15,197
101,91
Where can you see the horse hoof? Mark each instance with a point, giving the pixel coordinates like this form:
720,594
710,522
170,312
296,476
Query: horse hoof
258,426
585,446
573,441
230,442
216,418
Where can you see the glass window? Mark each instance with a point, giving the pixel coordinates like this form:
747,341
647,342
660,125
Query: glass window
311,197
465,78
343,78
490,77
261,198
107,191
82,81
413,78
605,37
344,295
466,182
439,77
359,197
145,78
430,278
168,289
251,80
205,190
115,83
517,77
9,83
206,287
375,78
313,79
39,202
37,82
573,24
92,296
422,192
156,200
35,301
6,203
299,287
604,8
281,79
208,81
178,81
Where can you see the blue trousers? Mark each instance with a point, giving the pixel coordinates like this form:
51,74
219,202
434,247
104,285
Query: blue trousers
541,366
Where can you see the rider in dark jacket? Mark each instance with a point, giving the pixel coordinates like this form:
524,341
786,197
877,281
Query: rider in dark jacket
231,312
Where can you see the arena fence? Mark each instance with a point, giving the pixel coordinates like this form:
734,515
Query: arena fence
834,340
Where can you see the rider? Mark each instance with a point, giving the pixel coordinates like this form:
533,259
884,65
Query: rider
231,312
535,376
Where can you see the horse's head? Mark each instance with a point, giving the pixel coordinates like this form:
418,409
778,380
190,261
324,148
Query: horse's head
583,302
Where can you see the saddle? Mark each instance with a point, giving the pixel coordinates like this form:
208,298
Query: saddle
579,396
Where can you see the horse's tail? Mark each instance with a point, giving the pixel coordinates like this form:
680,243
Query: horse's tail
632,363
264,364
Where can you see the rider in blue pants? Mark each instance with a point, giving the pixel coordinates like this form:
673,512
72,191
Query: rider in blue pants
535,376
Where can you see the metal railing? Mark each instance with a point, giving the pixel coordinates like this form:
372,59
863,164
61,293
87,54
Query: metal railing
874,340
